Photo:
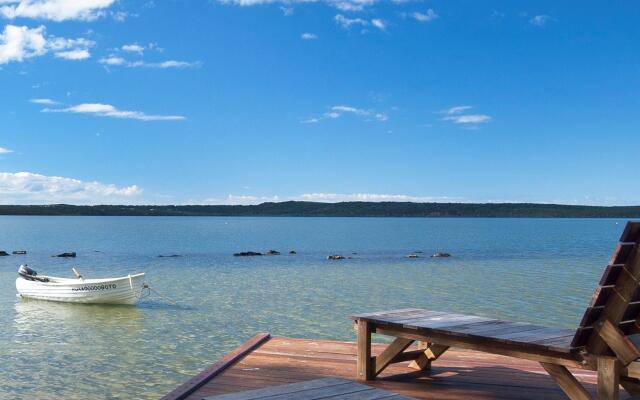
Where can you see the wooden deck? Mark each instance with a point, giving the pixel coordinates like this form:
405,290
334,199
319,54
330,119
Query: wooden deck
458,374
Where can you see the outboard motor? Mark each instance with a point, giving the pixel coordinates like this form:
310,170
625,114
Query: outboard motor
30,274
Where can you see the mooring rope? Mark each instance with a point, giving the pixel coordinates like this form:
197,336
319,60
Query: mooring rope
150,289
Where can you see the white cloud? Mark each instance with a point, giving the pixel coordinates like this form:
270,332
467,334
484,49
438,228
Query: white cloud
55,10
46,102
540,20
371,197
116,60
342,5
347,22
287,11
18,43
233,199
469,119
428,16
351,5
107,110
32,188
4,150
309,36
112,60
456,109
133,48
335,112
457,115
80,54
379,23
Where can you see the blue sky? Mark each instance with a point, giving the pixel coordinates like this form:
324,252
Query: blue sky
240,102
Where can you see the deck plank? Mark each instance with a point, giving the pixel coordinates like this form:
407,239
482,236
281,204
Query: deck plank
457,374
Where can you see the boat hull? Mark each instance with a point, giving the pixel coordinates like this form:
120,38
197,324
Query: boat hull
124,290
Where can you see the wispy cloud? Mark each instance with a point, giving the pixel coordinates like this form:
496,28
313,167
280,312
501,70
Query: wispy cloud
4,150
338,111
55,10
379,23
46,102
78,54
469,119
427,16
342,5
347,22
107,110
540,20
456,109
458,115
309,36
18,43
233,199
372,197
114,60
33,188
133,48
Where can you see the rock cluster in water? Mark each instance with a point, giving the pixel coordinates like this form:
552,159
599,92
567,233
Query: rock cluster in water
3,253
247,254
66,254
440,254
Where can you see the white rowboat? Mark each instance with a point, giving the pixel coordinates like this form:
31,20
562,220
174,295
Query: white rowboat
125,290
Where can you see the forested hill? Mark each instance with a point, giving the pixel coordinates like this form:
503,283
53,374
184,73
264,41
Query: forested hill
347,209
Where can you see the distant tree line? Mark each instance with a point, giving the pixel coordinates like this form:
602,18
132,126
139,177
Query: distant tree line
345,209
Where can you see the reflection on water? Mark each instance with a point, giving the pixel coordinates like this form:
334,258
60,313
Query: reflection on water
55,350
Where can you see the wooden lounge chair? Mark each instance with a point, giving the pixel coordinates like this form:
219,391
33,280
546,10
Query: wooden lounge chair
606,340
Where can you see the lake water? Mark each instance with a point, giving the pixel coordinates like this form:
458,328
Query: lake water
533,270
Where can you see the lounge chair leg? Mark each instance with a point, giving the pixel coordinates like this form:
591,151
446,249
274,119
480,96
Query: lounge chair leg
364,362
567,382
608,378
431,353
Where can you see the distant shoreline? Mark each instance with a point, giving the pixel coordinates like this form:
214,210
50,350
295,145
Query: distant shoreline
345,209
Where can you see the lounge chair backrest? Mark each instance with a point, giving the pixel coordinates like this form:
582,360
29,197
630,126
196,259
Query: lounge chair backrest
617,298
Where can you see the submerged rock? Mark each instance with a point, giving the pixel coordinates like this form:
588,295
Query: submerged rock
67,254
413,255
292,252
169,255
440,254
273,253
335,257
247,254
3,253
19,252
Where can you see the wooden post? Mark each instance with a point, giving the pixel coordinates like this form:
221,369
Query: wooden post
608,378
365,366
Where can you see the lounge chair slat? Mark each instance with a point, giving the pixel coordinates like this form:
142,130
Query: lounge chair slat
541,334
443,321
403,311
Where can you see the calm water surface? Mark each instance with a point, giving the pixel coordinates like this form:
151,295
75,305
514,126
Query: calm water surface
534,270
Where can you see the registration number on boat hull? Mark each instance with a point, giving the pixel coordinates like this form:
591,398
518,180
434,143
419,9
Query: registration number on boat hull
93,288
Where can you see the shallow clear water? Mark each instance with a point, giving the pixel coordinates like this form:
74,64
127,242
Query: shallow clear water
535,270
